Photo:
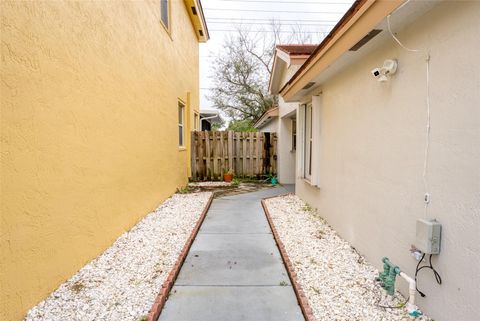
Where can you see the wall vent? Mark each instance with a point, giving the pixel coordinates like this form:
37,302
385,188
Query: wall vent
194,11
310,84
365,39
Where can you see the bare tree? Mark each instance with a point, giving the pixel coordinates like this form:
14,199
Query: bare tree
243,68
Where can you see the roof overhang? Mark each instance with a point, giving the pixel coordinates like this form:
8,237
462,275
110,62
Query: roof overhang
281,62
358,21
274,83
212,116
195,11
266,117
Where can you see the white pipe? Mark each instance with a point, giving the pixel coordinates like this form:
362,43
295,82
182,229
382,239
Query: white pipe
206,118
411,307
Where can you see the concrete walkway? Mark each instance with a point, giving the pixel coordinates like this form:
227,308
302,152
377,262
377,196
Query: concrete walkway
234,270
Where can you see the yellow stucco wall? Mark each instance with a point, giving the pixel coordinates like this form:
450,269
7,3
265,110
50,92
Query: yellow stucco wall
89,132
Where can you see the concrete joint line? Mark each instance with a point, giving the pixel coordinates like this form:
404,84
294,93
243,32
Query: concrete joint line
301,298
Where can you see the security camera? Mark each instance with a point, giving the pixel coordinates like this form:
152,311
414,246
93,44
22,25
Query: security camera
377,72
389,68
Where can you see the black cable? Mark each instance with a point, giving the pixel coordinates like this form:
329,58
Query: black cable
438,278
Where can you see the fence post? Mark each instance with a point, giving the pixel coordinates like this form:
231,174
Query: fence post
238,167
230,150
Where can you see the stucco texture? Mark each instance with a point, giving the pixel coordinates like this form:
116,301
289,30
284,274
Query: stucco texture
89,132
372,145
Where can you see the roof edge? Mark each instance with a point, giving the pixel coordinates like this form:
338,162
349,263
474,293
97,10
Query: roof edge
272,112
359,10
195,12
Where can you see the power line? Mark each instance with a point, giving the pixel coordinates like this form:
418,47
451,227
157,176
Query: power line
289,2
267,31
268,24
270,20
278,11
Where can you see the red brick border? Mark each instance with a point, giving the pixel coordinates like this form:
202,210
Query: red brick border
301,298
161,298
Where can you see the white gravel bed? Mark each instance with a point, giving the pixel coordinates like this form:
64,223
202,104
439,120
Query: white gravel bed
338,282
210,184
123,282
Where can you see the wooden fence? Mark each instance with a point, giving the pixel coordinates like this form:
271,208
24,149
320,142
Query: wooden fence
246,154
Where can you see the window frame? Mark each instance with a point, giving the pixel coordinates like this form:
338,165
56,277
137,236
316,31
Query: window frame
294,135
307,148
181,124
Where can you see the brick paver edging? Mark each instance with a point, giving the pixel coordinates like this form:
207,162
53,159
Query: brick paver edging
301,298
161,298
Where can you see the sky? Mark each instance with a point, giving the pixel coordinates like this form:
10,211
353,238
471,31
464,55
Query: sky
316,17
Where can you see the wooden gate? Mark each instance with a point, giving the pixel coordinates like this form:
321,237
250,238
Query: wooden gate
246,154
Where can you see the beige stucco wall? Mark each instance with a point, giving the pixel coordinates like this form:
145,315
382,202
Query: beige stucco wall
89,132
288,72
372,151
286,156
271,126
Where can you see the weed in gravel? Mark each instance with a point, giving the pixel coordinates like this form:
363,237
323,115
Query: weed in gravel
135,281
320,234
77,287
183,190
235,182
307,208
317,291
158,267
143,318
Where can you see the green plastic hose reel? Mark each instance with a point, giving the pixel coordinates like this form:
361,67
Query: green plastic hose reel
388,276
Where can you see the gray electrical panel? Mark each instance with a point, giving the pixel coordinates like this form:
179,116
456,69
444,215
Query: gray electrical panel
428,236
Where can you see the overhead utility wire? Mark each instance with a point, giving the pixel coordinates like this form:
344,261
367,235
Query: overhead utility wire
268,24
289,2
271,19
280,11
267,31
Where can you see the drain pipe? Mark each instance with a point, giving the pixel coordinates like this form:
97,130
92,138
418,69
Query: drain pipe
411,307
206,118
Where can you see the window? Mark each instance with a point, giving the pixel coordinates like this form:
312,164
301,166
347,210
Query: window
307,148
309,141
181,121
165,13
294,135
195,121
